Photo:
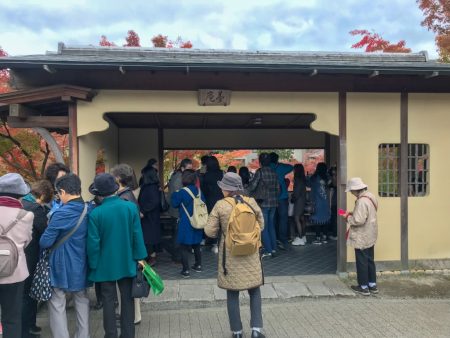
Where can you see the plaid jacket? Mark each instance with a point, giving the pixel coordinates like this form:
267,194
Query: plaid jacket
270,179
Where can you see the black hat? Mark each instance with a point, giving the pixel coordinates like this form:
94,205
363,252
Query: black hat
104,185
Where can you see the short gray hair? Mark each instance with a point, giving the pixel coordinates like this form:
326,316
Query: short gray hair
125,174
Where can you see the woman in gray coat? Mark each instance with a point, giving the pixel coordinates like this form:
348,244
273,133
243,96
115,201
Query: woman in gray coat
237,273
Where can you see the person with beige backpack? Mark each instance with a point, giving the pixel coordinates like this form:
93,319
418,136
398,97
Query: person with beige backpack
193,217
238,221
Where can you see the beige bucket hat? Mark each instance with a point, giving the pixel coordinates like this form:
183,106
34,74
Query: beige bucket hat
355,183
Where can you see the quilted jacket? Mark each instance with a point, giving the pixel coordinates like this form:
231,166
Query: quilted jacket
363,222
243,272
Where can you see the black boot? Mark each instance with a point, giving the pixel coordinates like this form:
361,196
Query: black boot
256,334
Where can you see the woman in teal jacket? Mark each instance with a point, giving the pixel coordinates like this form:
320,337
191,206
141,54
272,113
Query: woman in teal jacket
115,244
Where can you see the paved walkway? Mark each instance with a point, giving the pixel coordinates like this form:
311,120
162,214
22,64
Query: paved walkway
300,260
189,293
307,317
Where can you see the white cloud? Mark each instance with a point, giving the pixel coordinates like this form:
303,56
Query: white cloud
264,40
292,26
210,41
239,42
33,26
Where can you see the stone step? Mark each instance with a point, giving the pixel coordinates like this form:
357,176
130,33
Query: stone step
202,293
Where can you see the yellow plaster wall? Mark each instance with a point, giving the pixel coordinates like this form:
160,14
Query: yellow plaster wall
373,119
88,147
90,114
137,146
429,221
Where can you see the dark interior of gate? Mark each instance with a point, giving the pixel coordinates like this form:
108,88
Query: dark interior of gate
220,132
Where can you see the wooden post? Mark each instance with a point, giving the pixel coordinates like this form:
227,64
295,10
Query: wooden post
341,183
161,155
404,180
328,149
73,138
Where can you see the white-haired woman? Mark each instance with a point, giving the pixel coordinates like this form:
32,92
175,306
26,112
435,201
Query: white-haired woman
362,235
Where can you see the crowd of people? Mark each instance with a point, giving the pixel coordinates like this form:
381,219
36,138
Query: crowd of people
105,241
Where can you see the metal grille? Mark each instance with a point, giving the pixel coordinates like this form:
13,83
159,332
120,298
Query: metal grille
389,164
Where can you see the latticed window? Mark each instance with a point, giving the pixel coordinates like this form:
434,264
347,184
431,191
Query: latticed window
389,166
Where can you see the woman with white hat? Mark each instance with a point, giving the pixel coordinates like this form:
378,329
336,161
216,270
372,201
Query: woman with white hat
362,235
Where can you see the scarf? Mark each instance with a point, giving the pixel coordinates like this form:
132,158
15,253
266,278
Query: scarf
10,202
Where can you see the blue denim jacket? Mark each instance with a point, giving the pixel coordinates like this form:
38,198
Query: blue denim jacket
68,263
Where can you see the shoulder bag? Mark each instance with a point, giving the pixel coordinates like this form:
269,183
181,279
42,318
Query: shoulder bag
41,289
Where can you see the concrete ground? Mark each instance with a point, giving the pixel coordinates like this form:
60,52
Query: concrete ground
310,306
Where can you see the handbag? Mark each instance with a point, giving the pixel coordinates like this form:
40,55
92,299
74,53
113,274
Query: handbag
140,287
164,205
41,289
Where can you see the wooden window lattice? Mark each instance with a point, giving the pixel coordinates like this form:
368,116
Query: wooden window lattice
389,173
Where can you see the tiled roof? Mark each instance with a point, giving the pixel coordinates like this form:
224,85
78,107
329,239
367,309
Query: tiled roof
92,56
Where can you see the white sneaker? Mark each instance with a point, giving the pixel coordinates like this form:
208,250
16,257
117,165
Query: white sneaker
297,241
304,240
202,243
333,238
215,249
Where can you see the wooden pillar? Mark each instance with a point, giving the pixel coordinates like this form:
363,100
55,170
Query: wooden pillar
161,155
341,183
73,138
328,150
404,180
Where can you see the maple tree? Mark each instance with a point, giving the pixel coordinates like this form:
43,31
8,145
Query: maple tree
437,20
4,75
105,42
373,42
162,41
132,39
22,150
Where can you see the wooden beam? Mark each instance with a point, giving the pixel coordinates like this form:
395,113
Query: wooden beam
21,111
342,181
49,122
404,181
73,139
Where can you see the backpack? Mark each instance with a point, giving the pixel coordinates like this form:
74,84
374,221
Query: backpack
9,254
243,235
199,216
261,192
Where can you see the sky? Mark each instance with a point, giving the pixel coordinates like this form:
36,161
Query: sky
36,26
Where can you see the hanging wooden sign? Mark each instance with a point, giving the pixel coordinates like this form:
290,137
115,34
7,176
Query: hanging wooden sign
214,97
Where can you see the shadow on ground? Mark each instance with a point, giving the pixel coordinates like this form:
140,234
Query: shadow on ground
414,285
